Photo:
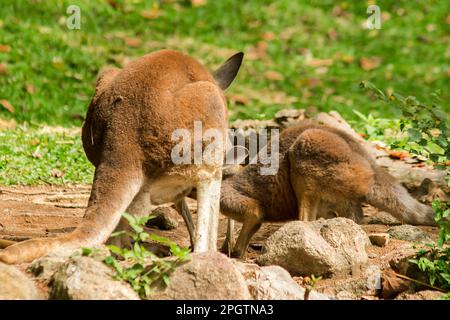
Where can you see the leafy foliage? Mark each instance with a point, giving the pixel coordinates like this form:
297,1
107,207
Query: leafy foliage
426,126
143,268
435,262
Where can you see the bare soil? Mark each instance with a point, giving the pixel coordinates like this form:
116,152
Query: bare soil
46,211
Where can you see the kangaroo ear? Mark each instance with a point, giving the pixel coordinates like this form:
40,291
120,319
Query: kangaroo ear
227,72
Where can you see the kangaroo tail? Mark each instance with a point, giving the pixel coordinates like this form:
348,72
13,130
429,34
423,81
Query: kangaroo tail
389,195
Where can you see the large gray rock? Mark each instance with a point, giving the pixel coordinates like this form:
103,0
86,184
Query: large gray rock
322,247
207,276
15,285
273,283
409,233
83,278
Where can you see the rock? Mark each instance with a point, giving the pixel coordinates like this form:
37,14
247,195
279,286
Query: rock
346,295
322,247
401,263
83,278
15,285
382,218
44,268
273,283
207,276
409,233
421,295
166,218
379,239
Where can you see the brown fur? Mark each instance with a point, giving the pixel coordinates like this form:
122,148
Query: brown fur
323,173
127,136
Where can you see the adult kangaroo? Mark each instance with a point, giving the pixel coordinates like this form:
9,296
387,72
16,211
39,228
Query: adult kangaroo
129,137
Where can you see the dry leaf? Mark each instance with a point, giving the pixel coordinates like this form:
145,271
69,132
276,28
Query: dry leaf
273,75
3,69
268,36
5,48
393,285
133,42
8,106
239,99
332,34
319,62
447,21
30,88
259,51
37,154
198,3
398,154
7,124
151,14
57,173
369,63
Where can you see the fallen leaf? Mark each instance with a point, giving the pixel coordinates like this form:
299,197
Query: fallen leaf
309,82
8,106
151,14
3,69
239,99
447,21
30,88
7,124
37,154
268,36
198,3
332,34
319,62
133,42
57,173
273,75
393,285
5,48
369,63
259,51
397,154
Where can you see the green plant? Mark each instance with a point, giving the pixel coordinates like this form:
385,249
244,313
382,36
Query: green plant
141,268
435,262
426,125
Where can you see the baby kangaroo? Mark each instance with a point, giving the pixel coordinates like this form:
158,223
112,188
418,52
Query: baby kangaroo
322,172
129,137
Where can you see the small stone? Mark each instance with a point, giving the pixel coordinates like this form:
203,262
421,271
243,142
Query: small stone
166,218
382,218
421,295
379,239
409,233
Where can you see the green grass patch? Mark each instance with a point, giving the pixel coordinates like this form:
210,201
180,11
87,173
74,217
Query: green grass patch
409,54
43,155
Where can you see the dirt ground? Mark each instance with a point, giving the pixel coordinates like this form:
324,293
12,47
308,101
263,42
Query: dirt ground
46,211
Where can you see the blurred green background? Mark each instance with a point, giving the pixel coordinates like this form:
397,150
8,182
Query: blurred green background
299,54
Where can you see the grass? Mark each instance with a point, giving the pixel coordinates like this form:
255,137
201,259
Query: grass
317,52
42,156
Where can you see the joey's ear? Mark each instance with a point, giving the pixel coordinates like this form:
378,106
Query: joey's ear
228,71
